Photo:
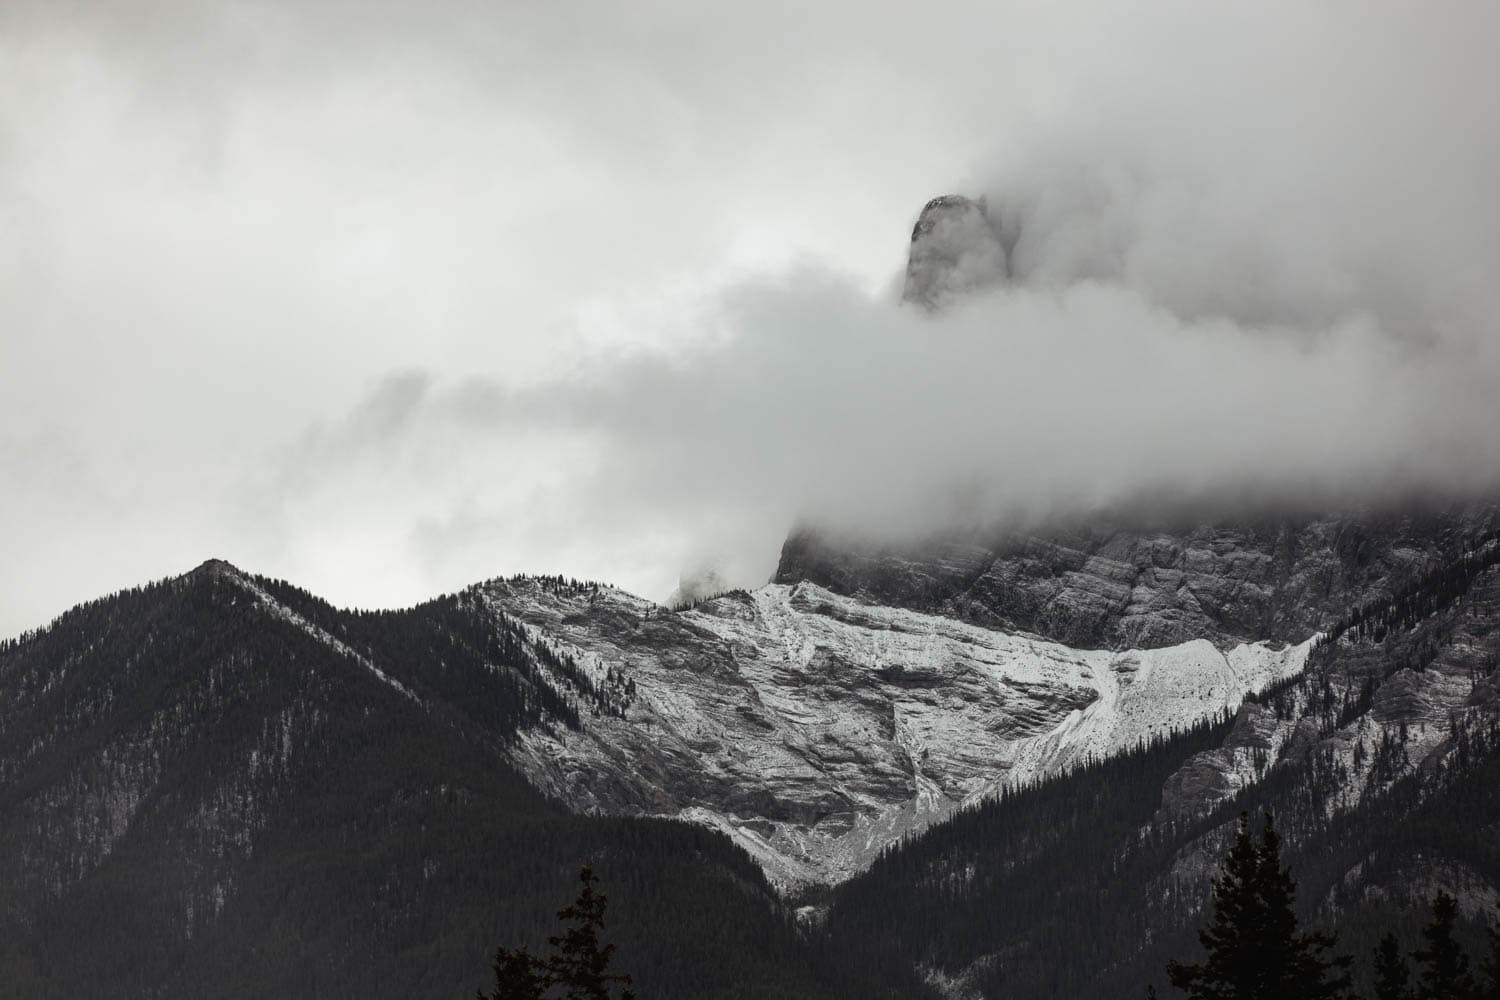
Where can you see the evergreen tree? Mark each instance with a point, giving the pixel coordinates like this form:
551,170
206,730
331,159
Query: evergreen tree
1392,977
1230,944
1255,951
579,963
518,976
1492,961
1445,967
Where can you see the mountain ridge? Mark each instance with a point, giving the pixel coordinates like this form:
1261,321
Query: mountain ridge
813,729
200,785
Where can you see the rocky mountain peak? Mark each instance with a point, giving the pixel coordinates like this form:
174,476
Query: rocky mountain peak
955,249
215,568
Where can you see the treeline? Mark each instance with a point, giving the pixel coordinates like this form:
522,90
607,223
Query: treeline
1428,594
557,584
694,602
1254,948
77,616
474,654
461,652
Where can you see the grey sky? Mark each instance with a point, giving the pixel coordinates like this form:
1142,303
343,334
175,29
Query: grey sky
385,298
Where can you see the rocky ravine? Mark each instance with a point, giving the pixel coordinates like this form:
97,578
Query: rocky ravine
817,729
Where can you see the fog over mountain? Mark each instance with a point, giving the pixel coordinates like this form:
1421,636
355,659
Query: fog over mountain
537,309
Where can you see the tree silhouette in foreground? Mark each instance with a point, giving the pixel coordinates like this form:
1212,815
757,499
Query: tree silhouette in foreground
1492,960
518,976
577,968
1392,977
1255,950
1445,967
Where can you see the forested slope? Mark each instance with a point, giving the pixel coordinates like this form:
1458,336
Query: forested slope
218,784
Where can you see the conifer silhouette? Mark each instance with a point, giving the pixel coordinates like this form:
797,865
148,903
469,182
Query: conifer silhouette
518,976
1445,967
578,966
579,962
1255,950
1392,977
1492,960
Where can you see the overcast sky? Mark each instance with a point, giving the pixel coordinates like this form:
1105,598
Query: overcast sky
386,298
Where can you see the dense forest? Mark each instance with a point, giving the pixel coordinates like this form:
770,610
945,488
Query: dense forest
1253,946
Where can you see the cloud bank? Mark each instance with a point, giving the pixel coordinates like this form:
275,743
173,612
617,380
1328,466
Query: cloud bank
1225,282
393,302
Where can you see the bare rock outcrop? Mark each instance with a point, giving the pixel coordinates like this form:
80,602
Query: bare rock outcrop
955,250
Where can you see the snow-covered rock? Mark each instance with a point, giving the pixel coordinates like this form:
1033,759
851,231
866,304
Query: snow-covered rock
817,729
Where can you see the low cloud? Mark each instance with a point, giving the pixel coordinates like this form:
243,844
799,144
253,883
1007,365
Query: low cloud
386,301
1275,290
820,404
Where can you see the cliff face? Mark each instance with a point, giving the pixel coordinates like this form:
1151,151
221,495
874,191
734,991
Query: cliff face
817,730
1111,583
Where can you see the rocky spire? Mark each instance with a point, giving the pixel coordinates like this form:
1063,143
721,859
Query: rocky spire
954,249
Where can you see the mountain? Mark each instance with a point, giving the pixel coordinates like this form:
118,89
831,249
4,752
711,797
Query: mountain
220,778
219,784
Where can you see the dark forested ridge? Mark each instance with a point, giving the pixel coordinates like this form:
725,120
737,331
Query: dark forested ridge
1028,890
197,786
